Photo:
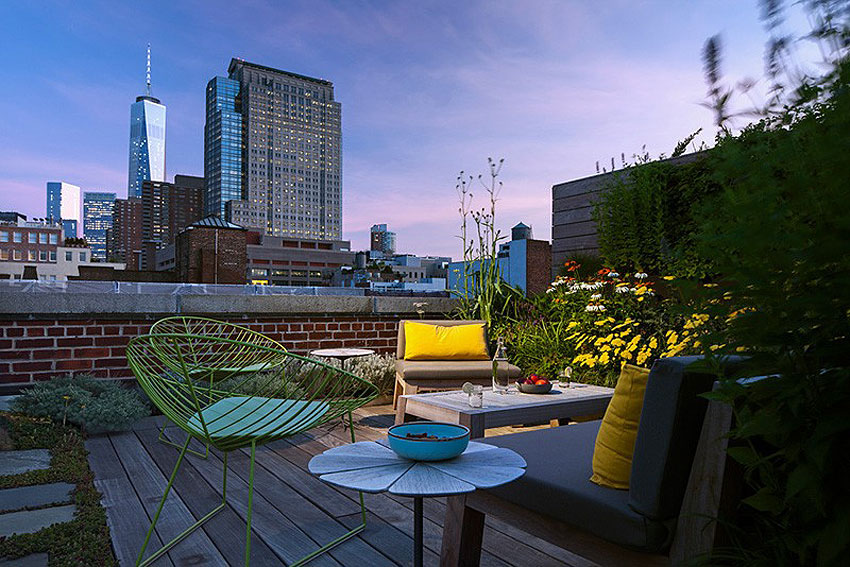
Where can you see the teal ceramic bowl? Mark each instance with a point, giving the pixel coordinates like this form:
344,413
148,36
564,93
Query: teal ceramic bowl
451,440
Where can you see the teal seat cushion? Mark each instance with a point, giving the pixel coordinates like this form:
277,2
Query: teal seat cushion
252,417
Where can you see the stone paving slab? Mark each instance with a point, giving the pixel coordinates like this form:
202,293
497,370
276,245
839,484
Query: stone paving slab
31,521
34,560
17,462
35,496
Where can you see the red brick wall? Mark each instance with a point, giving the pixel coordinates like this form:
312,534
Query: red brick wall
38,350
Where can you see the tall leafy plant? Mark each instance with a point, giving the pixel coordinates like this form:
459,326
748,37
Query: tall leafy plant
483,293
779,233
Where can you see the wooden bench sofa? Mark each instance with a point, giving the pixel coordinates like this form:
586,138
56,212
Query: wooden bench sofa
677,483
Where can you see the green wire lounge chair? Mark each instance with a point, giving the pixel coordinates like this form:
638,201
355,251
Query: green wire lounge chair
217,368
266,394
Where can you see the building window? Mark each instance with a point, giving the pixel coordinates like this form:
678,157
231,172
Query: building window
53,255
42,238
42,256
33,239
54,239
68,256
4,236
31,255
4,254
16,254
82,256
18,236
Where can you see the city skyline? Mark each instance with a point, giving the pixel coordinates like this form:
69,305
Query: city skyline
428,91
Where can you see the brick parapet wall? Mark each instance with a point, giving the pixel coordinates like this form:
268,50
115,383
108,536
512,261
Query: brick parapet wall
32,350
49,334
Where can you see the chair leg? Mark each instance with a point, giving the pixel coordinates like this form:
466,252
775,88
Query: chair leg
348,535
250,505
183,450
163,439
396,392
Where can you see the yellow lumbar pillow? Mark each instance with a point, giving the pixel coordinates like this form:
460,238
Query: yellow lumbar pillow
438,342
615,442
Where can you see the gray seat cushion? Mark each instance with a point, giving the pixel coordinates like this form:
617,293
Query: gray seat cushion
556,484
450,369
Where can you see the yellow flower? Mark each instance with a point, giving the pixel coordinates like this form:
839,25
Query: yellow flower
618,342
653,343
603,358
572,324
668,278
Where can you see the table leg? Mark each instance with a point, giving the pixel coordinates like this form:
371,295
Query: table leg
417,531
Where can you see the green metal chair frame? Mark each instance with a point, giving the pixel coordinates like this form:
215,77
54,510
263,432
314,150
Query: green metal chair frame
271,394
217,370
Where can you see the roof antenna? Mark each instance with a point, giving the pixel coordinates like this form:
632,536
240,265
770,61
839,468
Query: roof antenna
148,76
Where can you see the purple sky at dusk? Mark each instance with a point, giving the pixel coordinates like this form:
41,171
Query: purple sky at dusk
427,89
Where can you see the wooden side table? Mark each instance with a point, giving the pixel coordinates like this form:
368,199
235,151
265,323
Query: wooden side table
513,408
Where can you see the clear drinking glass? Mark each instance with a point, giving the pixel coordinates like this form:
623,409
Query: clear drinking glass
501,380
476,397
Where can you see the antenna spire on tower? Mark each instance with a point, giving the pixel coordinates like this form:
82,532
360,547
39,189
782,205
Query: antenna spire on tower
148,75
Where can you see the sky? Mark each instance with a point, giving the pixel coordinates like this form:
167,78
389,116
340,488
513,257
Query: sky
428,89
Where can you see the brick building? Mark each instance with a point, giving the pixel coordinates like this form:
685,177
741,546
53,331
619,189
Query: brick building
295,261
124,239
37,250
168,208
211,250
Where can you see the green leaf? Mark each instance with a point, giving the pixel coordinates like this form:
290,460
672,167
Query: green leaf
765,501
744,455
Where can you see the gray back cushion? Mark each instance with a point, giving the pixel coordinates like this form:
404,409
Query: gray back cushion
669,429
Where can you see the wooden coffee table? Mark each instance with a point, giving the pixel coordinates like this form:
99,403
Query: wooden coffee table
513,408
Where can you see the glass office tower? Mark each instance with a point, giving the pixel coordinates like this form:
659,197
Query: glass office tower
97,219
147,143
64,205
222,146
290,148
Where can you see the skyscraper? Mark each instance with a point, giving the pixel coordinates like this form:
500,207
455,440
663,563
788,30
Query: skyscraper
222,146
64,204
168,208
147,139
290,149
382,240
97,219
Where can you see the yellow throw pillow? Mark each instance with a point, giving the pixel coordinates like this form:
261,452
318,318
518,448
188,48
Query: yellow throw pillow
615,442
437,342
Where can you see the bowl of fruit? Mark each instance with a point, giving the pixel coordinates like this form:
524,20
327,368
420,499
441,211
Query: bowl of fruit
428,440
534,384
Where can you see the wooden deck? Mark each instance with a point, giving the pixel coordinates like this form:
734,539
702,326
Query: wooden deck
294,512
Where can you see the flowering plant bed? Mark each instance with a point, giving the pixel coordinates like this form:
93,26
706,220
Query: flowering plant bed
596,324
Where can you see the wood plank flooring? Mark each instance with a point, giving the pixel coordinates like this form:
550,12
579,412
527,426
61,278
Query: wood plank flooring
294,512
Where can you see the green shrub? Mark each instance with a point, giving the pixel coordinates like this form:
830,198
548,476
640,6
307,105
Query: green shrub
94,405
646,217
377,369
